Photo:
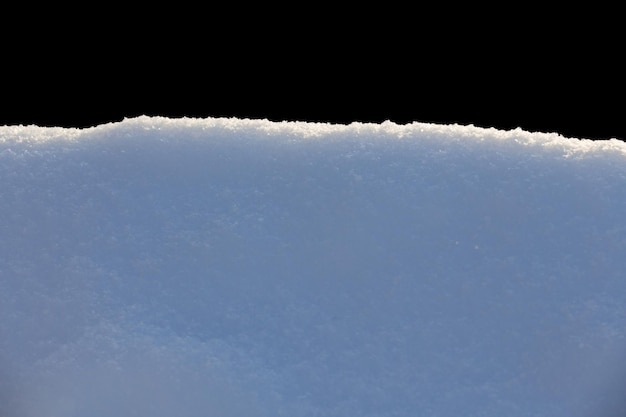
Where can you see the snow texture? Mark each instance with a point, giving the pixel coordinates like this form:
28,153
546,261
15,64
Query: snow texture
228,267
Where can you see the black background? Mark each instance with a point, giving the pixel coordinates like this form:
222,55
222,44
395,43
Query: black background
546,74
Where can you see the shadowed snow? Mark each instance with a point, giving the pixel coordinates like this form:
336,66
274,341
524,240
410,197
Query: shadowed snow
252,268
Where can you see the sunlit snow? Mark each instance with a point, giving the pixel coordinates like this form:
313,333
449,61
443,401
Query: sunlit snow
225,267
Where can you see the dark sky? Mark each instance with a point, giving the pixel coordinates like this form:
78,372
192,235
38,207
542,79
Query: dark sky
563,106
478,72
504,106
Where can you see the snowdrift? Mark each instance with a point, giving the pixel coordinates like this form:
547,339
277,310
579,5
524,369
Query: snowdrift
227,267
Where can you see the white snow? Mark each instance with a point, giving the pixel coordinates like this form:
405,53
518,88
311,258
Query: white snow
227,267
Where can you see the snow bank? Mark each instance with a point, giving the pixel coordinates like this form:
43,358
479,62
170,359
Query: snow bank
233,267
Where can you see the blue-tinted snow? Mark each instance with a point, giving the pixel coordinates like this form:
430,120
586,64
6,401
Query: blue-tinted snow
226,267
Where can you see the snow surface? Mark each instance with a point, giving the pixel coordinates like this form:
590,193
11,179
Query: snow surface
228,267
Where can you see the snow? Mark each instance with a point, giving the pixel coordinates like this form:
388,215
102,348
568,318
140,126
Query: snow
235,267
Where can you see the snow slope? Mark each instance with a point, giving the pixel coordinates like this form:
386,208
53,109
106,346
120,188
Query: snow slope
227,267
